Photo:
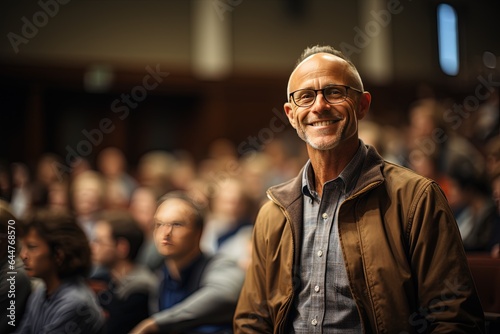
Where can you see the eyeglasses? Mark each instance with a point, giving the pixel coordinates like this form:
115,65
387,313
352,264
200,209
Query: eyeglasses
332,94
174,225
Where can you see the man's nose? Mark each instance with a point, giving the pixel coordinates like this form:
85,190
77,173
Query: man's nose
169,228
320,104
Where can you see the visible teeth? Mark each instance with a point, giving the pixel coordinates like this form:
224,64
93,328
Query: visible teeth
323,123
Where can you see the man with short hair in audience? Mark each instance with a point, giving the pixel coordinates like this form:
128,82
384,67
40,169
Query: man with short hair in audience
131,288
198,293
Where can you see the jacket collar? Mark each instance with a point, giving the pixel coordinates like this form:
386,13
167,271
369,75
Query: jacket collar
287,194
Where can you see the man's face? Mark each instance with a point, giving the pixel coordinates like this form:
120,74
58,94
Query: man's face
86,199
143,207
324,126
103,245
38,259
175,234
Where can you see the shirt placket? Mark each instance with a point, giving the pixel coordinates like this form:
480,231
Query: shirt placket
324,212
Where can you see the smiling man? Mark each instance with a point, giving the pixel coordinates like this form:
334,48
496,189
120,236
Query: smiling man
198,293
353,244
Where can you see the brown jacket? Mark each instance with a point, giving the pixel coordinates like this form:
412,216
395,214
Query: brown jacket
402,250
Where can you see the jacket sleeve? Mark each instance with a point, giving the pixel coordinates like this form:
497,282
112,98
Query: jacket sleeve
213,303
252,313
448,301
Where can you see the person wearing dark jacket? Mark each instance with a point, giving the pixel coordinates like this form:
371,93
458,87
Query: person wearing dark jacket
198,293
128,289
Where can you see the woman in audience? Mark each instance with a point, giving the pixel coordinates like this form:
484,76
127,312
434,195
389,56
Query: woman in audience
56,250
13,304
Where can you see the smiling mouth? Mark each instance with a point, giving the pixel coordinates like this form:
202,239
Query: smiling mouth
323,123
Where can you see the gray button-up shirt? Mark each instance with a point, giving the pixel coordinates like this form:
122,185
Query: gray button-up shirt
325,303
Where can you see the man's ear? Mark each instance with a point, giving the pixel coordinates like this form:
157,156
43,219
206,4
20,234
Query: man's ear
288,106
364,105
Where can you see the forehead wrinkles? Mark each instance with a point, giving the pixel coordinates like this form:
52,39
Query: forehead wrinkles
319,66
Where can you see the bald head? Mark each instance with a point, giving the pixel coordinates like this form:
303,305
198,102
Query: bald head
316,65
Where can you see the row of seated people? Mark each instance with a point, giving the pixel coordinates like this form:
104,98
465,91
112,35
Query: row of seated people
190,292
464,163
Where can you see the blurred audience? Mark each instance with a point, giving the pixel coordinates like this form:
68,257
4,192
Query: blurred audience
56,250
492,152
119,185
183,170
229,215
429,133
198,292
154,170
428,165
22,190
142,208
46,175
494,244
129,288
10,233
58,197
471,201
5,181
87,198
79,166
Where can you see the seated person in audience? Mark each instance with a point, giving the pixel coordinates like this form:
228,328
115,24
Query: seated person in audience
470,199
87,199
56,250
112,164
229,216
142,208
492,152
131,288
495,236
10,262
198,293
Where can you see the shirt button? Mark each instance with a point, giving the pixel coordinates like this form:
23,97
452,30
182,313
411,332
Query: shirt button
325,215
316,288
320,253
314,322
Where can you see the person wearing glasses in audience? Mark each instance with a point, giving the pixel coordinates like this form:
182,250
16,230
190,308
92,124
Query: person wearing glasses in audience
353,244
198,293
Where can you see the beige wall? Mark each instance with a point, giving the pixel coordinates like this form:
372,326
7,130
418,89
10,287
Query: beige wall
267,35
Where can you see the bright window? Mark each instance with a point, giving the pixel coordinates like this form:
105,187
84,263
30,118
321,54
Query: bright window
448,39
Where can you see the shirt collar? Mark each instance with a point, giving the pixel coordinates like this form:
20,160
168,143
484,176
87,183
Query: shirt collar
348,176
185,272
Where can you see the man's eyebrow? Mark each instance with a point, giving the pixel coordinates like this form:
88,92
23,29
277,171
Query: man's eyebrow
171,222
